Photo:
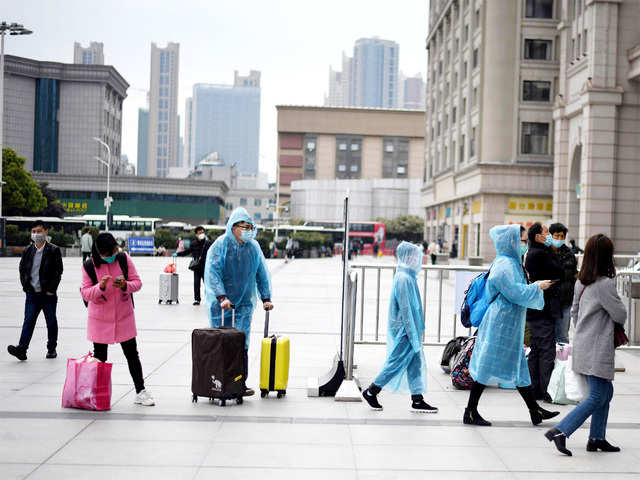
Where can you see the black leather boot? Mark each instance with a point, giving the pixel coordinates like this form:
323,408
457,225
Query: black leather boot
540,414
593,445
472,417
560,439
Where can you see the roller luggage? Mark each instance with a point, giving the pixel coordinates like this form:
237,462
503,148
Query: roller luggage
274,363
169,283
218,363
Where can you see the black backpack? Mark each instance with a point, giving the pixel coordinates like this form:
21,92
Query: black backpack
90,268
452,349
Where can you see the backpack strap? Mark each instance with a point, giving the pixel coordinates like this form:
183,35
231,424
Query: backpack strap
121,257
90,268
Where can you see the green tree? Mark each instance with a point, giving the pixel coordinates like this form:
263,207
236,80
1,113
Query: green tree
165,238
404,227
20,193
53,208
296,221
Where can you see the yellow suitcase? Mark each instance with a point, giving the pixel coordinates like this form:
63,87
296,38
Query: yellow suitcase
274,363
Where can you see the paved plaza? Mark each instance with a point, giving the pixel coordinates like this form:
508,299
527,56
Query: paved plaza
294,437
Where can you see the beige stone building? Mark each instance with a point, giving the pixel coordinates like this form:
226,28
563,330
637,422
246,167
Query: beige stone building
597,121
492,69
336,143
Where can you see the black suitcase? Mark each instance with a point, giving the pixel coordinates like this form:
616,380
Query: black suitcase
218,363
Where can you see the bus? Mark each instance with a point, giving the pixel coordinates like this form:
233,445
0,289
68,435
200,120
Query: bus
366,232
122,226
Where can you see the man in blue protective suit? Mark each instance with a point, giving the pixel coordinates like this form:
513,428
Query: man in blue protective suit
405,368
498,354
234,271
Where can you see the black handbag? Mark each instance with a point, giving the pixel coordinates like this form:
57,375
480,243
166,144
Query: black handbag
194,263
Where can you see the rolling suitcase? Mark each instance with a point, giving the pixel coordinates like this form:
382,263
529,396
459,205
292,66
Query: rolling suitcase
218,363
274,363
169,283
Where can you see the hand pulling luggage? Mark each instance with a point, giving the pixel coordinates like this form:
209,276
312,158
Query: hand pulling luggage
218,363
169,283
274,363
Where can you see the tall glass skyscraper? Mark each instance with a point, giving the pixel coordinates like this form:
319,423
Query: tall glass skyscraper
375,73
143,141
226,119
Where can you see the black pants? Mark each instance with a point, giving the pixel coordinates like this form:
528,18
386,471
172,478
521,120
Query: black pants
542,356
85,255
198,276
33,305
130,350
476,392
433,259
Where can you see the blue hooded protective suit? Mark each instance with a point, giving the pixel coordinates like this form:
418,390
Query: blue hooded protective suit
236,270
405,369
498,355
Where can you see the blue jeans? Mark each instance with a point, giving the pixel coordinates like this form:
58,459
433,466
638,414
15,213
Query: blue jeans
562,326
596,405
33,305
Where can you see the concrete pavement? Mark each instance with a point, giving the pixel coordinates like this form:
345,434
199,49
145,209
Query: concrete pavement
294,437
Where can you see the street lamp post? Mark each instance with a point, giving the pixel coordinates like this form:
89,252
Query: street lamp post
108,199
11,29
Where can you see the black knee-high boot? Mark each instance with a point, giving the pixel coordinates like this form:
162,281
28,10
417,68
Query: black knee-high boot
471,415
537,413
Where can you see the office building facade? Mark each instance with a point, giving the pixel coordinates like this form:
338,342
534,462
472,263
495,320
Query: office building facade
597,122
53,111
375,73
143,141
92,55
163,110
492,70
226,119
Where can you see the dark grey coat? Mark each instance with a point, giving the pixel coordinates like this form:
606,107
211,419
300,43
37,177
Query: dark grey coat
593,314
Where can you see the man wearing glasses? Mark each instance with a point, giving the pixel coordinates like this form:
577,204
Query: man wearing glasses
235,270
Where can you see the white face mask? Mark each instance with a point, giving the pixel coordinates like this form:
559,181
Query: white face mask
37,237
201,236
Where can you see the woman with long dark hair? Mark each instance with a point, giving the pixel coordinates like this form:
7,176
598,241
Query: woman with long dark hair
110,304
596,307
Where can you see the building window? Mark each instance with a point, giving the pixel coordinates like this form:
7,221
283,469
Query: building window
584,41
475,96
462,144
257,216
535,138
539,9
535,91
309,159
472,146
257,202
348,156
464,70
477,18
475,58
438,129
243,202
395,160
464,106
453,115
537,49
465,36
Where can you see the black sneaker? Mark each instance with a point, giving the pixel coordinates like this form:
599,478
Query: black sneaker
422,407
197,302
17,352
372,400
52,354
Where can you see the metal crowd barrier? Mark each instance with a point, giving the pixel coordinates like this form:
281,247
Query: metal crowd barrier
368,332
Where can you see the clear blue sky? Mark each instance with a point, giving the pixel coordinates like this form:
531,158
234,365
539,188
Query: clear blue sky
292,42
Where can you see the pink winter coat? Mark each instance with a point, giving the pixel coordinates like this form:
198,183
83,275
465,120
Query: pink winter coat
111,316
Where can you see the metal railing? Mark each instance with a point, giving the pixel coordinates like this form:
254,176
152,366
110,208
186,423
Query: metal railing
348,336
437,303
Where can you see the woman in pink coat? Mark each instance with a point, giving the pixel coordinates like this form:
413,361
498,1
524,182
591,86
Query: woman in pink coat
111,315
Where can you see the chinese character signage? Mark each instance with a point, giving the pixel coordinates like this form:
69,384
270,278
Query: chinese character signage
140,245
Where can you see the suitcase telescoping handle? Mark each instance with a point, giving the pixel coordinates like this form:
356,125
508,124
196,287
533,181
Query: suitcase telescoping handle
233,316
266,323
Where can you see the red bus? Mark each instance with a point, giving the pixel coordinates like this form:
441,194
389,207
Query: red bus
365,232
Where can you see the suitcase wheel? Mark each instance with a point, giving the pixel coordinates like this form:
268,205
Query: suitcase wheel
264,393
159,302
169,302
223,402
282,393
177,301
194,399
239,401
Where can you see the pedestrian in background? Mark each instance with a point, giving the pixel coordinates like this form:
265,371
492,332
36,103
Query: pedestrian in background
198,249
575,248
40,274
433,250
566,285
111,318
541,263
405,369
498,355
235,270
596,308
86,243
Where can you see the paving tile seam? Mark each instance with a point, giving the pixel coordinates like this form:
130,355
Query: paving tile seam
87,415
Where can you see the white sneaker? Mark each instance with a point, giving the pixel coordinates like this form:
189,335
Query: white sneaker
144,398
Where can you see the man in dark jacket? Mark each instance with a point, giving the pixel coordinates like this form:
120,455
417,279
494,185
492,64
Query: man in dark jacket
40,274
198,250
569,265
542,264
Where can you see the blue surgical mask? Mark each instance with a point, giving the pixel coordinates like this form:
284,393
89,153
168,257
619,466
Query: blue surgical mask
110,259
548,241
248,235
557,243
524,247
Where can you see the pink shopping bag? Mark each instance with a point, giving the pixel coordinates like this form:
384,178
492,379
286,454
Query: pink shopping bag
88,384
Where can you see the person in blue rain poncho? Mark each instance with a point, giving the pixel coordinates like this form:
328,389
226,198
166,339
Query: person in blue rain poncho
405,368
498,355
235,270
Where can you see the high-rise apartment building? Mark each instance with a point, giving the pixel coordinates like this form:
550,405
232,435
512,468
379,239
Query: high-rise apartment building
188,112
54,110
226,119
413,90
492,69
597,121
143,141
92,55
375,73
334,98
163,110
